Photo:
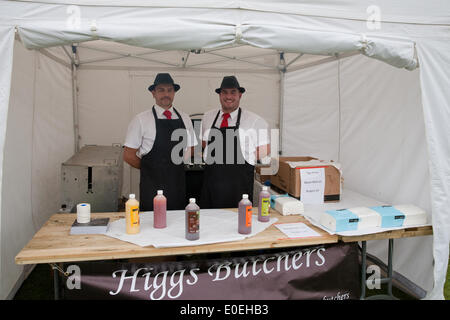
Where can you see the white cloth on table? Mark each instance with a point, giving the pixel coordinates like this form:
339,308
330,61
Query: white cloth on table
216,225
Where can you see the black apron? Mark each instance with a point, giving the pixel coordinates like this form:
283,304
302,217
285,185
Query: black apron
224,184
158,172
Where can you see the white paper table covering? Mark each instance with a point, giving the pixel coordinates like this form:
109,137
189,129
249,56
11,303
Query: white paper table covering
216,225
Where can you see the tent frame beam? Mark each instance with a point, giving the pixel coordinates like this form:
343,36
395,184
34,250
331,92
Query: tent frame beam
124,55
282,70
242,60
176,69
48,54
324,60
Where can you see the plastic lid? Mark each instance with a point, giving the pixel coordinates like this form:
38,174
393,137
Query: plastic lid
132,196
159,192
245,196
265,188
192,200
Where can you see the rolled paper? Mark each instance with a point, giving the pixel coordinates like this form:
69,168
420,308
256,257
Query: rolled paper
83,213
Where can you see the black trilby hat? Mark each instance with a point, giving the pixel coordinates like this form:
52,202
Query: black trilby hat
163,78
230,82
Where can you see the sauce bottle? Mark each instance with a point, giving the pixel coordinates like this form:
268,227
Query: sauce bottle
245,215
159,210
132,215
192,220
264,205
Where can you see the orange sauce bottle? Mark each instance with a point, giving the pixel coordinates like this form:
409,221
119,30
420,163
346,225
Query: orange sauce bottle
132,215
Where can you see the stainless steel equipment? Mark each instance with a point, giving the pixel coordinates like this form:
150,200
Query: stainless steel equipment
92,175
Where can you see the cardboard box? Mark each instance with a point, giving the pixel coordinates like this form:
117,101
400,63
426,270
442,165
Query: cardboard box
258,176
288,178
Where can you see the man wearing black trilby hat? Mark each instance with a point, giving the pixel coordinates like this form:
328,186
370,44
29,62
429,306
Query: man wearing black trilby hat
234,139
149,145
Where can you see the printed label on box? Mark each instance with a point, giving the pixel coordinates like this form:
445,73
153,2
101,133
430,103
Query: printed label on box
312,185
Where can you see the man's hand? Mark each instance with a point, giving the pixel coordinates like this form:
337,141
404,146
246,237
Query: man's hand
130,157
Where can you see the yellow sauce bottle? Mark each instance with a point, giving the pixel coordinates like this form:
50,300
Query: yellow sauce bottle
132,215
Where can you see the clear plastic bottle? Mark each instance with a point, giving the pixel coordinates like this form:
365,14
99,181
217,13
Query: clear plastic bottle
159,210
192,220
264,205
132,215
245,215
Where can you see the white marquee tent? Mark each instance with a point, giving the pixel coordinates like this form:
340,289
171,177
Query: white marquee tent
365,85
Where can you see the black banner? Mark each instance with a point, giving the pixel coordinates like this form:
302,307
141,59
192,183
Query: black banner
325,272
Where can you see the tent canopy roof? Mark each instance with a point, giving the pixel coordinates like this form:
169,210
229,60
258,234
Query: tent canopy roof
205,34
406,11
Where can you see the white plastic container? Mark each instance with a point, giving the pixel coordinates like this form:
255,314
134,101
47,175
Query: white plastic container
132,215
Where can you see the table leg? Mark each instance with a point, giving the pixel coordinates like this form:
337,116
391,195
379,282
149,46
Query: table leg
56,282
388,279
363,269
390,267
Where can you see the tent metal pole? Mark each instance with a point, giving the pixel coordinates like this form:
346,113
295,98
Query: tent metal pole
280,141
185,59
75,99
339,106
295,59
67,53
282,68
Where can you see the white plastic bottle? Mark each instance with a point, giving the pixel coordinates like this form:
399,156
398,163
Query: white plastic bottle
245,215
264,205
132,215
192,220
159,210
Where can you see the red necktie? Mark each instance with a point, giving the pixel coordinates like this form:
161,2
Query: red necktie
168,114
224,123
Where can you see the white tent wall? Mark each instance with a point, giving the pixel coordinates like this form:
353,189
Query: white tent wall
386,157
307,27
16,192
105,111
311,112
436,101
6,61
327,106
39,137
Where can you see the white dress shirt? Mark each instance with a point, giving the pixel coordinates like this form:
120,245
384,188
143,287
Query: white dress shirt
253,131
141,132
